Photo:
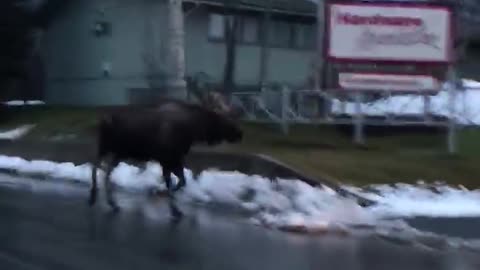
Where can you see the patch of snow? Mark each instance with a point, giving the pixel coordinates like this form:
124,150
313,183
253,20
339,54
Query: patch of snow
468,83
21,102
406,200
15,133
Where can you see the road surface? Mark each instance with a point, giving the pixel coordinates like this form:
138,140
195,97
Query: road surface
47,225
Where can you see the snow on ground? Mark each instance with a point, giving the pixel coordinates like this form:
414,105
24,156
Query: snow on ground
467,104
468,83
406,200
15,133
284,204
22,102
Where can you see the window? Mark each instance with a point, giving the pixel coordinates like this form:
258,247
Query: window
216,26
282,33
279,33
249,30
304,36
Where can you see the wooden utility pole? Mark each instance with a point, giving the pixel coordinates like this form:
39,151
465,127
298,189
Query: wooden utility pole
320,38
176,84
264,53
320,68
231,24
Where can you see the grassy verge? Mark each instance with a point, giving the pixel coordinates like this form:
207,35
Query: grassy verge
50,122
319,151
323,151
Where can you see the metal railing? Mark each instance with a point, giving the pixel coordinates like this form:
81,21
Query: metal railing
285,106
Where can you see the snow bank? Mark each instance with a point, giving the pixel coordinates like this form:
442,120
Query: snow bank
283,204
406,200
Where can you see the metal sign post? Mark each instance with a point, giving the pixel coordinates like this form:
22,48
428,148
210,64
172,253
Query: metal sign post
285,108
451,137
426,107
358,130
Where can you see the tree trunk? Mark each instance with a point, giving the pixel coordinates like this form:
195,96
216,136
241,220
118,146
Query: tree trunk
154,54
176,84
320,38
231,25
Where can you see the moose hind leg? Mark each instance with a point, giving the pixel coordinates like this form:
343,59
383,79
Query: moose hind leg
166,172
108,183
93,188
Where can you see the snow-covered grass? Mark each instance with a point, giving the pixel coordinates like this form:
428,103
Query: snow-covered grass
466,105
284,204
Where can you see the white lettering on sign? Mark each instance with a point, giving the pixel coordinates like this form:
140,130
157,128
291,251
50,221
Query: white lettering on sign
389,33
394,82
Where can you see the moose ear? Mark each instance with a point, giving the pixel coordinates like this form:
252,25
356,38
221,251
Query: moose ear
219,103
229,112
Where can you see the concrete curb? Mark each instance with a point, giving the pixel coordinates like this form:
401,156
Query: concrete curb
197,161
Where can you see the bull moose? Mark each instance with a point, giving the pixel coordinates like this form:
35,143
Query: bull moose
163,133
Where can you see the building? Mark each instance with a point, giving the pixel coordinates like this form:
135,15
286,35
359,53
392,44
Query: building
101,52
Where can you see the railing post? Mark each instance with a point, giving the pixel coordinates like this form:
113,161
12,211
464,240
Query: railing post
426,107
389,114
327,104
284,110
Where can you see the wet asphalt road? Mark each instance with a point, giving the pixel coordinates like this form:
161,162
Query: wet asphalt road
48,226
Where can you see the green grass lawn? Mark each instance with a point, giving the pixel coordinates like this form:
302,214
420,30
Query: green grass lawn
319,151
324,152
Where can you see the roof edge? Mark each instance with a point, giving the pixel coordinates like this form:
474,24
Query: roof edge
254,7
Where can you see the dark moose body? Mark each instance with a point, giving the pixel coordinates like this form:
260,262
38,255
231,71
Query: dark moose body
164,133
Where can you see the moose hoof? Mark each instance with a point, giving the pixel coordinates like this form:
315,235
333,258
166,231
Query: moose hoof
179,186
93,197
91,201
176,215
115,209
155,192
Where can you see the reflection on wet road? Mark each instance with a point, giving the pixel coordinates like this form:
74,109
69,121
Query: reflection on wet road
51,227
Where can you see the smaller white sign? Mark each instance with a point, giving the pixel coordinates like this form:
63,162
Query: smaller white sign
387,82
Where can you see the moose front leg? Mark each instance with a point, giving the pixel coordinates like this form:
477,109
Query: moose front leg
167,178
174,210
178,171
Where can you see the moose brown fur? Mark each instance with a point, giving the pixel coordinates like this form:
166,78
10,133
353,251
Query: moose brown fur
163,133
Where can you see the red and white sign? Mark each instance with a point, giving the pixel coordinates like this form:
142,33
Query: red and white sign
389,32
393,82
